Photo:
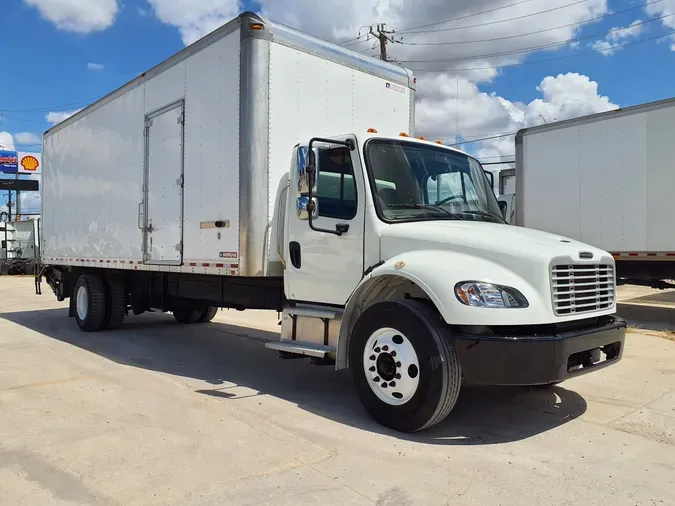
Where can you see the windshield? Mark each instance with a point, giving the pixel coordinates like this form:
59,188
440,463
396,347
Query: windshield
415,182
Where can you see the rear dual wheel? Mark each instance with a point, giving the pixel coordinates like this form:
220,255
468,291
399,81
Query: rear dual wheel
100,303
189,316
405,367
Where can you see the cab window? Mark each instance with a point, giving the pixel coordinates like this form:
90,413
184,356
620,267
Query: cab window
336,189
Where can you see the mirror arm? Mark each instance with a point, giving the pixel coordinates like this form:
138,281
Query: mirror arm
340,229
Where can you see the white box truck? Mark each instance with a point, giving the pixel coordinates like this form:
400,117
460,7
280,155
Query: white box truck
607,180
263,168
18,246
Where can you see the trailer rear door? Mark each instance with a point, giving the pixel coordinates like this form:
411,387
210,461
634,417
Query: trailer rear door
163,238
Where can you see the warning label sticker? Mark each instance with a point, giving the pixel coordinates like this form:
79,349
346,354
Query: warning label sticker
230,255
396,87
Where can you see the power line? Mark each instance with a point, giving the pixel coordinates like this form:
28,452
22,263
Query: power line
508,65
359,39
53,108
414,29
405,30
524,16
471,141
531,33
542,46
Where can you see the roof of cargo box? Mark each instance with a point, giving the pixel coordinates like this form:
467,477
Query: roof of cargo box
275,32
599,116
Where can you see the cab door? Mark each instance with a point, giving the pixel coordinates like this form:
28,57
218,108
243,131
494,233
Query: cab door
326,265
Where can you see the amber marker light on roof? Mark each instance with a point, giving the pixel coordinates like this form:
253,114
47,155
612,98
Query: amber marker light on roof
403,134
372,131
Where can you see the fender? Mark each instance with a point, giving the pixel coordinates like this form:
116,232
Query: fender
436,272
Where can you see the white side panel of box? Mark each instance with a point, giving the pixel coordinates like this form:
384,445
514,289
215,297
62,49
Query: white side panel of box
604,181
212,153
550,176
94,168
311,97
92,183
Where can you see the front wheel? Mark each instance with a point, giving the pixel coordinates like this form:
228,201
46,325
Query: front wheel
405,367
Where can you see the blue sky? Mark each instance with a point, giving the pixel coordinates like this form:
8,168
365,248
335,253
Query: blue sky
51,67
46,66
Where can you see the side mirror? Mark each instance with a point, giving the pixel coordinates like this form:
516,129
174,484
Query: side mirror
491,178
304,207
304,177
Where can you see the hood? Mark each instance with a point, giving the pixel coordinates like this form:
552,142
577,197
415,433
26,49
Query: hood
501,244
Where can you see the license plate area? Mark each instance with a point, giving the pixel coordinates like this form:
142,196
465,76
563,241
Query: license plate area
594,357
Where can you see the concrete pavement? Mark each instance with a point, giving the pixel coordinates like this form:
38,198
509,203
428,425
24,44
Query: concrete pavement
159,413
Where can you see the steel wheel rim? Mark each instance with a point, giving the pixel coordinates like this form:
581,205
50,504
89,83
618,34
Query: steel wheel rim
82,303
391,366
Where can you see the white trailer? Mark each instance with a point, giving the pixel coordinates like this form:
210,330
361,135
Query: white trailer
18,246
607,180
263,168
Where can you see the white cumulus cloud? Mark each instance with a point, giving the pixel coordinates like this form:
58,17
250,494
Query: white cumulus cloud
616,37
563,97
80,16
27,138
195,18
6,141
664,8
95,66
59,116
455,48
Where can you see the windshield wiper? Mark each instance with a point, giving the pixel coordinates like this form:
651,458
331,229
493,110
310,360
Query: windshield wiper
426,206
488,214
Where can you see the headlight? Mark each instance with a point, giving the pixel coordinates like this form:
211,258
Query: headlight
476,294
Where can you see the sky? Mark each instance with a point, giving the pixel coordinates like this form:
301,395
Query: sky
485,68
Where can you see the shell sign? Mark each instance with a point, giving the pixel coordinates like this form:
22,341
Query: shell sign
30,163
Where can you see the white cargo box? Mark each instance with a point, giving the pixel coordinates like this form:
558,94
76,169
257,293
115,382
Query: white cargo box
178,169
605,179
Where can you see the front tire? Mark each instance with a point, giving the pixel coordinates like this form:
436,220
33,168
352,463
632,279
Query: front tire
90,303
404,364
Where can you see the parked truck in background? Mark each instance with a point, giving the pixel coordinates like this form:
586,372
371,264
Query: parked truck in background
261,168
19,246
606,180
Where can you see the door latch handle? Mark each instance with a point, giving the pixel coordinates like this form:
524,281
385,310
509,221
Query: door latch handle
294,253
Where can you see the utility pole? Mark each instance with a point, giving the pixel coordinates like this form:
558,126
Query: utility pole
384,34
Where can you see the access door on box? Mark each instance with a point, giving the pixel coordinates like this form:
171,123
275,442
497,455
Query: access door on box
163,201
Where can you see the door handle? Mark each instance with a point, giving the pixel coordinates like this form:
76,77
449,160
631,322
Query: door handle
294,253
140,212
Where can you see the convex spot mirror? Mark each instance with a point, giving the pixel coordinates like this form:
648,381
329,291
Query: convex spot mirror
304,177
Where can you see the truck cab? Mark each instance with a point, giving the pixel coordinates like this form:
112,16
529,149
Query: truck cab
397,263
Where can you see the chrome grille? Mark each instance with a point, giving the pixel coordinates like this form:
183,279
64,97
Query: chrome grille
582,288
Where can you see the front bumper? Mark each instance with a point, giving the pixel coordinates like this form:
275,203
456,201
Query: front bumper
540,359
